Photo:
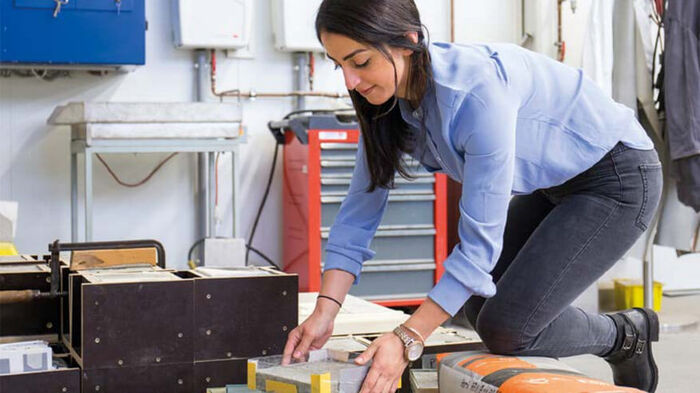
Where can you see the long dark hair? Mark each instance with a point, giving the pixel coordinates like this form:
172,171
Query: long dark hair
382,23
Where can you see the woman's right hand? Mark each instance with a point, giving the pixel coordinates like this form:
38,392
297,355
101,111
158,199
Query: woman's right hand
312,334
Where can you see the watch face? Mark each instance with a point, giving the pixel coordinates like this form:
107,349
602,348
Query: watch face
414,352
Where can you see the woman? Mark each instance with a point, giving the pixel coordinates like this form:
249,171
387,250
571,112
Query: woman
502,121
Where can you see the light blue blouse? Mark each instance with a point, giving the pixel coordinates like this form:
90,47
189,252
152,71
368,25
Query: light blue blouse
501,120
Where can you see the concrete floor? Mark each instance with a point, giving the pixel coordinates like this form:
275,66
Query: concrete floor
677,353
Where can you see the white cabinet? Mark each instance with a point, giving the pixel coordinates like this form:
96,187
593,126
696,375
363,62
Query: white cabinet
212,24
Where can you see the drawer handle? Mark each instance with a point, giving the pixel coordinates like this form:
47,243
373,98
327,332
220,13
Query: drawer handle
392,198
338,146
396,233
391,193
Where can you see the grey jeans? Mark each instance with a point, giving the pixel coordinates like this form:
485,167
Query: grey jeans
559,241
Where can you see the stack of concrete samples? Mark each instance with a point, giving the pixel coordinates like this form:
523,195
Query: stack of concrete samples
325,371
23,357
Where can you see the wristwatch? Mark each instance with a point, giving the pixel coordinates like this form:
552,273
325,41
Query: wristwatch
413,349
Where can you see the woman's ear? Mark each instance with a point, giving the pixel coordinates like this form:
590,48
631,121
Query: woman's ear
413,36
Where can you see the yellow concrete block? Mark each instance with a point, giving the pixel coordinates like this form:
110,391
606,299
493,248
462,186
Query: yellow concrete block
280,387
321,383
252,367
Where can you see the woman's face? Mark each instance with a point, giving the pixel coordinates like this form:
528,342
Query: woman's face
366,70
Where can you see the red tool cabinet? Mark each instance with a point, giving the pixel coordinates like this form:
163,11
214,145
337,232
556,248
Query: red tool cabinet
411,241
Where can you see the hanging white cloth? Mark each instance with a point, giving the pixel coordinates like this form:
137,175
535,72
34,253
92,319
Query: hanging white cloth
647,31
597,58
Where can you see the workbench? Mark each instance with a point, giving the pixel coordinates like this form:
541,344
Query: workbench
107,128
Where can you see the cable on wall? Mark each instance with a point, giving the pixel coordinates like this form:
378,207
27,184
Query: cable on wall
141,182
262,202
193,265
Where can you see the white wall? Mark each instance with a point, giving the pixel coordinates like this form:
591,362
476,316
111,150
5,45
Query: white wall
487,21
34,158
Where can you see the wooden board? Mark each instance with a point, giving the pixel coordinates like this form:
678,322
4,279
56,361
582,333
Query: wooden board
99,259
356,317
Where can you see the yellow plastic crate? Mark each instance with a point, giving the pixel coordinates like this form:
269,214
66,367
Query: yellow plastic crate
630,293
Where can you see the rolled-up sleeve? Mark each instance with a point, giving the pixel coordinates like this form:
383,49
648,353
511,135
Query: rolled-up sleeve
484,129
356,222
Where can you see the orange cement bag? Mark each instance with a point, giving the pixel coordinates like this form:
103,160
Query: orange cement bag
481,372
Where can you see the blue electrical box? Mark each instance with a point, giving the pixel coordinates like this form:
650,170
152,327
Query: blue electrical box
72,32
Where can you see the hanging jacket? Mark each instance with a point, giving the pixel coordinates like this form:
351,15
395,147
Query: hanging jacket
682,95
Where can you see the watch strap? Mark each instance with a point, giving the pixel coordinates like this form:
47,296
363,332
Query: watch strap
414,331
405,338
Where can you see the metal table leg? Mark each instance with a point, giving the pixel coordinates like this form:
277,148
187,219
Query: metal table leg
206,182
88,195
74,197
211,212
234,199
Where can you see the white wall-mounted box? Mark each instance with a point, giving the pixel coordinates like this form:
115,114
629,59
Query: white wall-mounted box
293,25
212,24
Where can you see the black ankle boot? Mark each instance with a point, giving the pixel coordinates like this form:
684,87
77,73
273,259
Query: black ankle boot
631,359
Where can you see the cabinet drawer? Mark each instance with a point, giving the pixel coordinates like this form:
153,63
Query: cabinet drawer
399,243
342,162
381,279
401,210
421,184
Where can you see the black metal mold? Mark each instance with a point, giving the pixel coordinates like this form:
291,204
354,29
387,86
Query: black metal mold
136,324
218,373
38,317
244,317
171,378
62,380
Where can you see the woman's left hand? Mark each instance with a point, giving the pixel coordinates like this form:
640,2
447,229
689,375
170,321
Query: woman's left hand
388,364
